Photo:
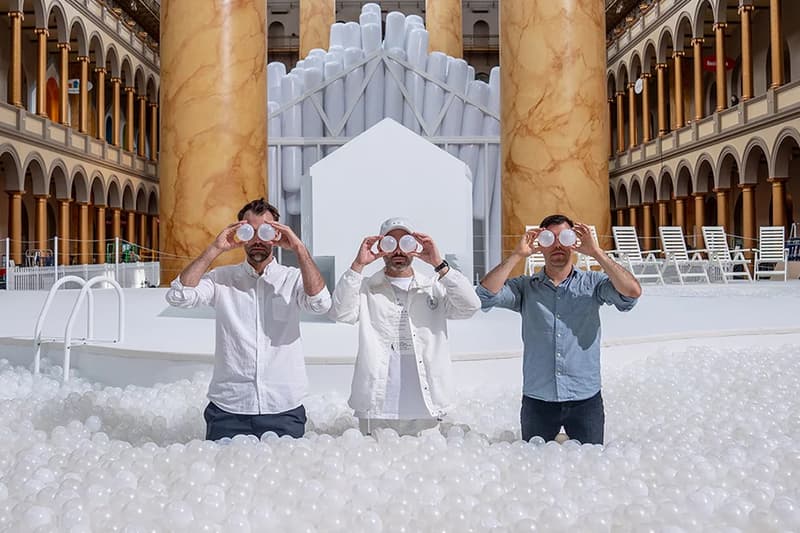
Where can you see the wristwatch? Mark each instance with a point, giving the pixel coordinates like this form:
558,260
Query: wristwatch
444,264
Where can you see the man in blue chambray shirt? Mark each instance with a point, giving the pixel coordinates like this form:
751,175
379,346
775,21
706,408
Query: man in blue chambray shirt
560,308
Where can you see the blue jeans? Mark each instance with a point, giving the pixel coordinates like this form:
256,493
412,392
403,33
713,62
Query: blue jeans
583,420
221,423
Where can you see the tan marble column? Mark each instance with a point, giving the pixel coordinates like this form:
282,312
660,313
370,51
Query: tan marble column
634,137
662,100
699,217
100,102
15,225
553,113
15,72
722,207
115,88
83,120
621,122
633,218
776,42
745,12
63,74
100,234
41,70
142,126
722,87
748,215
620,217
697,46
680,116
662,213
778,201
680,213
316,18
153,132
647,226
646,107
129,118
40,222
63,230
130,226
116,223
213,140
443,19
84,245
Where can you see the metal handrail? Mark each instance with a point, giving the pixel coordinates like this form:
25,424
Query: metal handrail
37,332
76,307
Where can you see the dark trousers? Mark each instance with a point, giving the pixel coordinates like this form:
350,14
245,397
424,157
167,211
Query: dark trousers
220,424
583,420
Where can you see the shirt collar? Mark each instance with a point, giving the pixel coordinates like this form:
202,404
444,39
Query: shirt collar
417,281
270,270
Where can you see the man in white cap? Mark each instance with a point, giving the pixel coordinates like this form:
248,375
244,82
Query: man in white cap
403,374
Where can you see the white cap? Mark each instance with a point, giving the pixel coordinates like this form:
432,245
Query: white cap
396,223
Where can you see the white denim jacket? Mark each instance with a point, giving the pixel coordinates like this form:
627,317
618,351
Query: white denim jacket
431,302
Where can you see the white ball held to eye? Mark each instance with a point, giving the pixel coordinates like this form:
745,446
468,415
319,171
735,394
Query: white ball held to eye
408,243
546,238
388,244
266,232
567,237
245,232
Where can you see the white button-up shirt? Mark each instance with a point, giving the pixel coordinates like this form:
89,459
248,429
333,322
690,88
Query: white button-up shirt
259,366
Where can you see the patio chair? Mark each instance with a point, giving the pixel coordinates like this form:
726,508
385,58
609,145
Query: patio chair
535,260
771,250
628,253
721,256
676,255
586,262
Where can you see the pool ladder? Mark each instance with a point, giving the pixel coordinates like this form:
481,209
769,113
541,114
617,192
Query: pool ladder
68,339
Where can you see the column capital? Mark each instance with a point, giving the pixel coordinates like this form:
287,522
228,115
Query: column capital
63,46
152,105
698,194
698,40
632,85
746,8
720,25
777,180
747,186
41,196
41,31
129,89
662,66
620,94
64,200
646,75
100,70
720,190
115,80
678,53
141,97
83,59
16,14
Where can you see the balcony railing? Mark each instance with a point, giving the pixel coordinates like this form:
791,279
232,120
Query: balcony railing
481,43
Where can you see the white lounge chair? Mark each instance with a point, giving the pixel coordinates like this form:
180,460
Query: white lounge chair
628,253
720,255
535,260
586,262
771,249
675,255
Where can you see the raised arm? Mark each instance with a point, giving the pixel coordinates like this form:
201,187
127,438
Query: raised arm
313,282
623,281
190,276
496,278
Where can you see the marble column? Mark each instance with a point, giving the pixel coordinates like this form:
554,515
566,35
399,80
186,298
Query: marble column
778,201
661,69
680,117
100,102
646,107
316,18
620,122
116,223
83,120
15,225
443,19
745,12
680,213
722,207
213,140
620,217
776,42
662,213
41,70
115,88
699,218
63,230
63,74
15,71
84,245
153,132
130,226
722,87
553,114
647,226
141,149
697,46
100,234
634,137
40,225
632,217
129,118
748,215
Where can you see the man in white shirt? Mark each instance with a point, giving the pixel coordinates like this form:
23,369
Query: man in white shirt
403,374
259,379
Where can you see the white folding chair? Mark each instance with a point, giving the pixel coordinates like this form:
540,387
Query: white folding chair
676,255
535,260
586,262
628,253
721,256
771,250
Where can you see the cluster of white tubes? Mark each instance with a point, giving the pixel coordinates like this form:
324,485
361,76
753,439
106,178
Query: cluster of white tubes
351,107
